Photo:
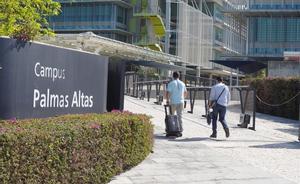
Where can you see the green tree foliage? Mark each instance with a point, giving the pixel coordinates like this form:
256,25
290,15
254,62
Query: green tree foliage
26,19
259,74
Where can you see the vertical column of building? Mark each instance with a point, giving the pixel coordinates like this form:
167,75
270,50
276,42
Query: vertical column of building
168,27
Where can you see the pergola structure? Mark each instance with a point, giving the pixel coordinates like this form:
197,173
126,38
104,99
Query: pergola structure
108,47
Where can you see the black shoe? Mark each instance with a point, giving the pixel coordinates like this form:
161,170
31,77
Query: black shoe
227,132
213,136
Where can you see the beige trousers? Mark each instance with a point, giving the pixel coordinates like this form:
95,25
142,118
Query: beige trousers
178,108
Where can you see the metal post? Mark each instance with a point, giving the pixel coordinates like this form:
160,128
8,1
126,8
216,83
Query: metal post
210,80
241,100
254,110
198,74
237,77
133,85
299,118
299,110
149,86
205,103
230,79
192,100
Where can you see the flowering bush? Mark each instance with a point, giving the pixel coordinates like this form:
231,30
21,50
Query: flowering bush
88,148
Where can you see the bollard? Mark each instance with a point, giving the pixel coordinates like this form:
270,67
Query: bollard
143,94
244,120
159,99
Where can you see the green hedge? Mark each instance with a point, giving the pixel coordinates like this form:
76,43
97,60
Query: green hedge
89,148
276,91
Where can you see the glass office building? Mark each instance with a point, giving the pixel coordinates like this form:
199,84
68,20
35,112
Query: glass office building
196,30
274,27
106,18
230,32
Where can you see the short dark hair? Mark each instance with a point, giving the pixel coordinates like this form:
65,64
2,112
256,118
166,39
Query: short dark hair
219,79
175,75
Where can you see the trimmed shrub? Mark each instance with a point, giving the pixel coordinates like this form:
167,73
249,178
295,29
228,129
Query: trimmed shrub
89,148
277,91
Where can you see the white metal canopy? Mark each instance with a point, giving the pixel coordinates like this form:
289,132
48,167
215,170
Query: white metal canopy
109,47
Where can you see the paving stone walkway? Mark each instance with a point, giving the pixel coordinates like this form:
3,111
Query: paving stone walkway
269,155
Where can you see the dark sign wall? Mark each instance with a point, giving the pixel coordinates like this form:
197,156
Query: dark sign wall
38,80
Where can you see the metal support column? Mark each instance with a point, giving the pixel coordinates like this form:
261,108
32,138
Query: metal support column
237,77
198,74
149,88
192,100
299,118
254,110
230,80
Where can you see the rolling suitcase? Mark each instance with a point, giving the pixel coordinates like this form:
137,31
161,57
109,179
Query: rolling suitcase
173,127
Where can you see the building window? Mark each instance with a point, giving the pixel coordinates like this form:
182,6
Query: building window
121,15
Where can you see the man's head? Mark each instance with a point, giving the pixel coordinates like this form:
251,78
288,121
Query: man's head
175,75
219,79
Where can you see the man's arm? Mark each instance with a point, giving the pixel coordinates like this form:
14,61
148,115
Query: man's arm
167,96
185,94
185,91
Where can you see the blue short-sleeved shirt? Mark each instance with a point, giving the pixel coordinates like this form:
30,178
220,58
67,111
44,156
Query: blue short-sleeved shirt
176,88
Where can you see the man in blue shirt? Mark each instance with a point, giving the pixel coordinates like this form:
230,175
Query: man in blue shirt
220,95
176,92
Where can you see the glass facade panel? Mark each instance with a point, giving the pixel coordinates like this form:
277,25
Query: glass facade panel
277,29
218,12
90,16
273,35
261,29
274,4
219,34
121,15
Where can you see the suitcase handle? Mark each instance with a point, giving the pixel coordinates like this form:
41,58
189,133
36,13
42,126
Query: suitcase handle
166,112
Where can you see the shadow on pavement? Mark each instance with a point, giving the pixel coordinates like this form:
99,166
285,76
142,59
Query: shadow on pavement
285,145
179,139
164,137
191,139
293,131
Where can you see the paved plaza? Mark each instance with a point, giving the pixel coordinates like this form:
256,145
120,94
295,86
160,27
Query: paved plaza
269,155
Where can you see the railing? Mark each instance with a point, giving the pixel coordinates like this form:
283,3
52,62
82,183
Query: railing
191,80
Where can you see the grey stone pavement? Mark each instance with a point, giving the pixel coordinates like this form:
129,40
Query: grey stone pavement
269,155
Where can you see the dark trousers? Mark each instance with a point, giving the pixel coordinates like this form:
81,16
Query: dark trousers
220,111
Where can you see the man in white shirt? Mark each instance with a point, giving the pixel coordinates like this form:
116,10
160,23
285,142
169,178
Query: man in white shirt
218,100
